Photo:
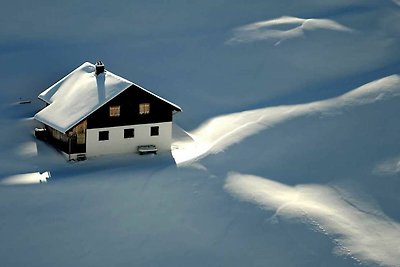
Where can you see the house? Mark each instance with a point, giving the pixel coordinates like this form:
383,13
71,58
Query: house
92,112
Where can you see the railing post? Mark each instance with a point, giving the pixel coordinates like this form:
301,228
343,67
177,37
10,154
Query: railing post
69,148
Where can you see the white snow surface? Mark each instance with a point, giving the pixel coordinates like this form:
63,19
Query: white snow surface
388,167
217,134
269,29
286,155
364,233
26,178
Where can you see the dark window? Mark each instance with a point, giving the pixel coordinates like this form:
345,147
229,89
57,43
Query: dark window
154,131
129,133
103,135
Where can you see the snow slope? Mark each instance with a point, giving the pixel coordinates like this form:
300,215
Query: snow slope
218,133
269,29
286,154
361,232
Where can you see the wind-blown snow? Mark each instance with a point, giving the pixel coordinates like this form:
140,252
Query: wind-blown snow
27,149
218,133
26,179
362,233
250,108
388,167
270,29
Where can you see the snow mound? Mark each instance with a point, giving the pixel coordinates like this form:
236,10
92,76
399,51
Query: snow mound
26,178
358,232
219,133
27,149
388,167
282,28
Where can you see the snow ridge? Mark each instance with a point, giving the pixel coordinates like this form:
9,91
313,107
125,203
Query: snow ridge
271,29
357,232
218,133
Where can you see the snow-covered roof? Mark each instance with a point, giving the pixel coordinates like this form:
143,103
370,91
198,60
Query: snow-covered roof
79,94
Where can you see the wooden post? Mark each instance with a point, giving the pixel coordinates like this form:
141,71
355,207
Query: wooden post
69,148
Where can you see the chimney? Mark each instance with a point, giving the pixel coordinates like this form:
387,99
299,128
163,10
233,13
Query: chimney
99,67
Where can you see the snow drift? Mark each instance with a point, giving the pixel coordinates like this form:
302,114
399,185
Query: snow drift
364,233
217,134
270,29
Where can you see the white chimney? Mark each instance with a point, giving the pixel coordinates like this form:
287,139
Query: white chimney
99,67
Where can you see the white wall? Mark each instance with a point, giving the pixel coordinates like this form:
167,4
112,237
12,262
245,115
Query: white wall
118,144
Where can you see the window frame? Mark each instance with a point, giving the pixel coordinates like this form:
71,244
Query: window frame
127,132
106,136
115,111
154,130
144,108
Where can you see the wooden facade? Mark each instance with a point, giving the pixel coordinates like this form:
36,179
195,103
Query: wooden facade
133,106
129,102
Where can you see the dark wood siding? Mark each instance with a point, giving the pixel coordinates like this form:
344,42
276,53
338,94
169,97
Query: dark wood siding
129,101
63,142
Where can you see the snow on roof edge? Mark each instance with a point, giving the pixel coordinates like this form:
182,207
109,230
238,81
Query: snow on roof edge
66,129
159,97
52,125
40,96
95,109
